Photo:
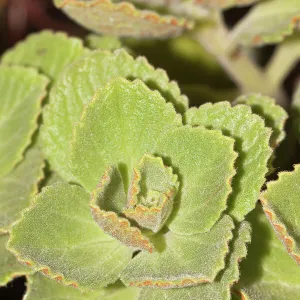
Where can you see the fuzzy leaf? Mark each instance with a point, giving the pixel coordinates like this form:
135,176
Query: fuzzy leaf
41,287
47,51
281,205
22,91
58,237
252,145
151,193
95,41
18,187
108,198
77,87
220,288
141,122
268,22
123,19
184,261
223,3
273,115
268,272
9,266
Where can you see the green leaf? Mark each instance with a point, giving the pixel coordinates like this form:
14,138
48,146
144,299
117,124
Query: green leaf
252,144
47,51
108,198
41,287
76,89
273,115
141,122
22,91
9,266
151,193
268,22
222,4
18,187
296,112
281,204
184,261
121,19
95,41
220,288
58,237
268,272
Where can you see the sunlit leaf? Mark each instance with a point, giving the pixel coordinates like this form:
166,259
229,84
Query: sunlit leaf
47,51
22,91
268,22
77,87
204,256
281,205
223,3
95,41
220,288
9,266
123,19
251,142
58,237
18,187
268,272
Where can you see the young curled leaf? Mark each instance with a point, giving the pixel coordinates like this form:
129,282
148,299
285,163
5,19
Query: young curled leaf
151,194
123,19
109,195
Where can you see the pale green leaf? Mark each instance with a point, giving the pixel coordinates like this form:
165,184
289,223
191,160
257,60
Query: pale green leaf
252,144
123,19
273,115
77,87
47,51
296,112
281,204
108,198
95,41
141,122
183,261
19,186
9,266
41,287
222,4
59,237
220,288
151,193
268,22
268,272
22,91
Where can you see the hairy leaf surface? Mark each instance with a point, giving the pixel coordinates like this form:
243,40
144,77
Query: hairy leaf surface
281,203
108,42
22,91
19,186
58,237
47,51
10,268
268,272
252,144
220,288
223,3
268,22
77,87
184,261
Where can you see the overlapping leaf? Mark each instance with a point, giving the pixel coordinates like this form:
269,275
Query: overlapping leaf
9,266
17,188
184,261
22,91
123,19
95,42
296,112
252,145
223,3
58,237
220,288
268,22
268,272
47,51
273,115
281,204
142,122
77,87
